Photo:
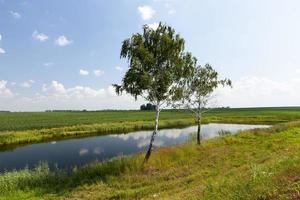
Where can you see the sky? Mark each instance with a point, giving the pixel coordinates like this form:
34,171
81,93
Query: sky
66,54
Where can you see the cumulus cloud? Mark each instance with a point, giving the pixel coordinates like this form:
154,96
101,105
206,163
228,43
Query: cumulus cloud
83,72
154,26
260,91
58,89
27,84
85,92
55,95
4,91
2,51
55,88
0,37
119,68
15,14
63,41
146,12
98,72
39,36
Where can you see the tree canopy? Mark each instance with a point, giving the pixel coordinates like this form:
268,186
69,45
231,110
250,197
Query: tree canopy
158,64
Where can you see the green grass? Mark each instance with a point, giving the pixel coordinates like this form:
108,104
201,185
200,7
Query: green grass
255,164
20,121
24,128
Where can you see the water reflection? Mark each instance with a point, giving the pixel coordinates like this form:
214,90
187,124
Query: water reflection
69,153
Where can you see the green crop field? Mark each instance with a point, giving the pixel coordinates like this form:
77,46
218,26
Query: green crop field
37,120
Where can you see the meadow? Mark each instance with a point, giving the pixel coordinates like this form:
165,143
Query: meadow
254,164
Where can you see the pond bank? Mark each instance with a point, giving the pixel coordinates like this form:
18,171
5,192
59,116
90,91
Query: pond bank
66,154
12,139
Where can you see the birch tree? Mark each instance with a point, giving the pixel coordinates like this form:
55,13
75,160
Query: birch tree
198,92
158,66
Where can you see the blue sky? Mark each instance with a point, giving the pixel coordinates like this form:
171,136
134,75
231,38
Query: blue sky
65,54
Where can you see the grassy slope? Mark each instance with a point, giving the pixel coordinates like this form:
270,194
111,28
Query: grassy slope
22,128
257,164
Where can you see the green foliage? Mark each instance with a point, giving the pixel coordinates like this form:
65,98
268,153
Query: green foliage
157,64
201,85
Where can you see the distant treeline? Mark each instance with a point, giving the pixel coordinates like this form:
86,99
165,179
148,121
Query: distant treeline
66,110
148,106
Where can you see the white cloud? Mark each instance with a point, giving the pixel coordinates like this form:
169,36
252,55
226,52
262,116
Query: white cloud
13,83
246,92
39,36
63,41
2,51
298,71
119,68
98,72
27,84
84,72
260,91
79,92
146,12
57,96
4,91
154,26
15,14
55,88
48,64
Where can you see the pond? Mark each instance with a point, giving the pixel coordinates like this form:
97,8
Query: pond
66,154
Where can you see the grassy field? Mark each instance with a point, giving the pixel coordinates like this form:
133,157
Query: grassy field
256,164
23,128
18,121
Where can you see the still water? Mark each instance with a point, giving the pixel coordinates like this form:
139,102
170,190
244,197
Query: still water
75,152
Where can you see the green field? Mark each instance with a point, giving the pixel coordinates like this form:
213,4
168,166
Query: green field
256,164
37,120
30,127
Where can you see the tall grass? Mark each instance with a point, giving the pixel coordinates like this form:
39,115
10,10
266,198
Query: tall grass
57,181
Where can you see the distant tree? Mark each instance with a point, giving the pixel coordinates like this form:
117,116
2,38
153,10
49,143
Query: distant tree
158,66
148,106
199,89
143,107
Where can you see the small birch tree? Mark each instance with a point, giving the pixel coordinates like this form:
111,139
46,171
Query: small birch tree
158,67
198,92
